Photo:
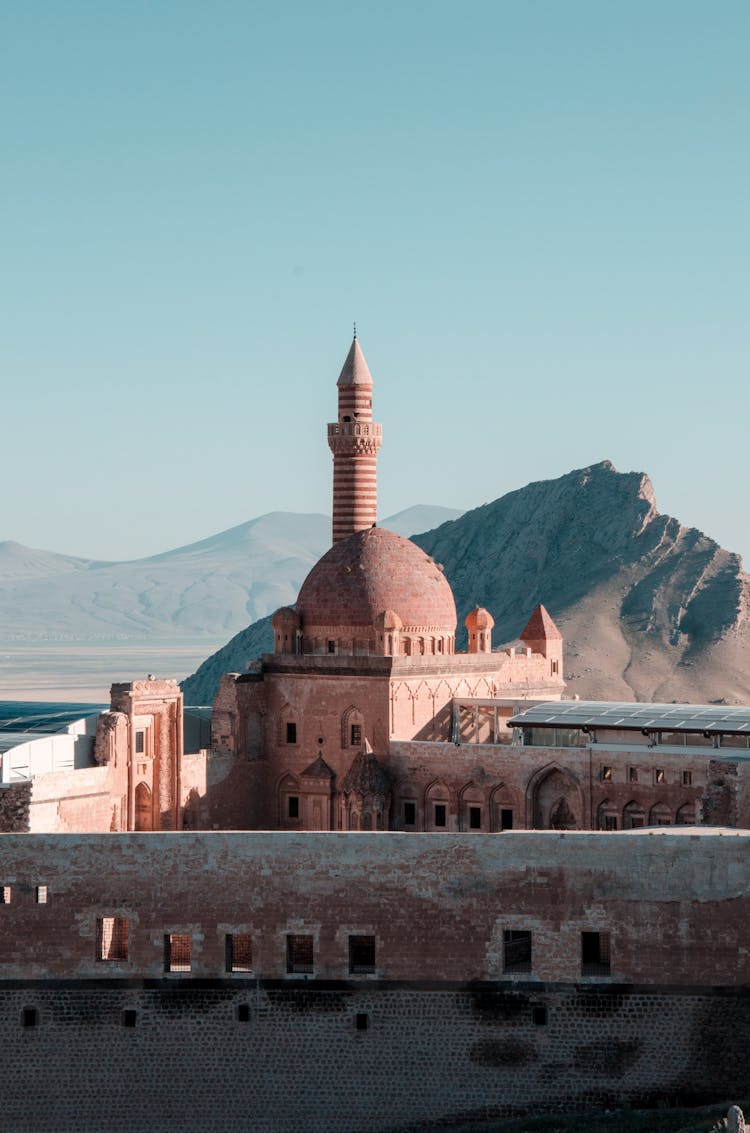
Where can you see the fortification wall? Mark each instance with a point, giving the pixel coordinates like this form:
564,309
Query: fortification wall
274,1059
434,1029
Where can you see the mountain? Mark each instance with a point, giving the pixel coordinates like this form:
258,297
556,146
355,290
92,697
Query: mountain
649,609
206,589
421,517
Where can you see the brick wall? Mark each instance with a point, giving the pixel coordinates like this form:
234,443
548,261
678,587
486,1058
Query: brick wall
446,1034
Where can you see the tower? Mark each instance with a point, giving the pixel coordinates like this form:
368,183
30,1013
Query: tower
354,441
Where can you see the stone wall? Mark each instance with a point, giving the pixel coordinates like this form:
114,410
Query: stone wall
229,1058
68,801
15,800
437,907
436,1033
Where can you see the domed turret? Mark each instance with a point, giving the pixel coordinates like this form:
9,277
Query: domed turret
479,623
285,624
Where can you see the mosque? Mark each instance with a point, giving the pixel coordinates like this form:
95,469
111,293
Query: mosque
380,885
366,718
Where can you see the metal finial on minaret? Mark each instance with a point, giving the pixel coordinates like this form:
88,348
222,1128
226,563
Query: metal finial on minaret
355,330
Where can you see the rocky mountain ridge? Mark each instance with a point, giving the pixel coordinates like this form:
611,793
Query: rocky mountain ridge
650,610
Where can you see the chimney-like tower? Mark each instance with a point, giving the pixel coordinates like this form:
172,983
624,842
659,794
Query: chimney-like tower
354,441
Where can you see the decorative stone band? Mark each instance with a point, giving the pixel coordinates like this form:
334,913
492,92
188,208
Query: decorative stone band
348,445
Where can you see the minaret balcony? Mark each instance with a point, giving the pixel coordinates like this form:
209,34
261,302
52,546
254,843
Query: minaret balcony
355,429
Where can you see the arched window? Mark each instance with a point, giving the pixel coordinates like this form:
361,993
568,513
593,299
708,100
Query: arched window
473,809
686,815
352,727
289,803
437,806
633,816
288,731
660,815
606,818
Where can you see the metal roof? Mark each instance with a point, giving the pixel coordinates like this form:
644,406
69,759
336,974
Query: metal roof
710,718
19,716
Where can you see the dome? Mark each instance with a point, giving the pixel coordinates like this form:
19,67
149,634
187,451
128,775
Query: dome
375,576
479,618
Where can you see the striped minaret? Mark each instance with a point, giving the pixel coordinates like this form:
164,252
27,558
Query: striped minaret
354,440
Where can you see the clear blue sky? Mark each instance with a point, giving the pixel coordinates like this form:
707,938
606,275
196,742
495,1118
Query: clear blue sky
536,211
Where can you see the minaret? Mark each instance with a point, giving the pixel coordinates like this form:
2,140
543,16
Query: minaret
354,441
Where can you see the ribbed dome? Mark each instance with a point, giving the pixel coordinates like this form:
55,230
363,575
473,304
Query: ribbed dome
371,572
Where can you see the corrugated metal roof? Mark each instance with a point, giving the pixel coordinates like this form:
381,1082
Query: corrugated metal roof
710,718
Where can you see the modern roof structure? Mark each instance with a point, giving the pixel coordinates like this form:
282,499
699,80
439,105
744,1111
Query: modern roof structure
704,718
45,719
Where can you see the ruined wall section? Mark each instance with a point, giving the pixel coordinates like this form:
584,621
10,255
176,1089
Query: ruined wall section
437,907
66,802
437,1033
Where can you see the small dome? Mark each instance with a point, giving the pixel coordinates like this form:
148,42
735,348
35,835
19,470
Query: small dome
376,573
479,618
285,618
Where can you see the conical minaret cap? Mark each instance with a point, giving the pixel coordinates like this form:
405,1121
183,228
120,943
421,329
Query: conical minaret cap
354,372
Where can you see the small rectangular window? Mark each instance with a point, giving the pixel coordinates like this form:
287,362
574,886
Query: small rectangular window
506,819
331,646
361,1021
610,822
177,952
410,814
687,778
606,774
516,951
291,732
140,745
292,806
356,735
475,818
29,1017
129,1017
299,953
659,775
243,1013
632,775
239,951
540,1016
595,954
112,938
440,813
42,894
361,955
5,894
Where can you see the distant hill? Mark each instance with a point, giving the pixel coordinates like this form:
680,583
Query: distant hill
650,610
210,588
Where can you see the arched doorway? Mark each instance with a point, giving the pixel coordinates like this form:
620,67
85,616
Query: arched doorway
556,802
144,815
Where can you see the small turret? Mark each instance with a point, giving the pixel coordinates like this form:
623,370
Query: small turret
479,623
541,635
286,631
